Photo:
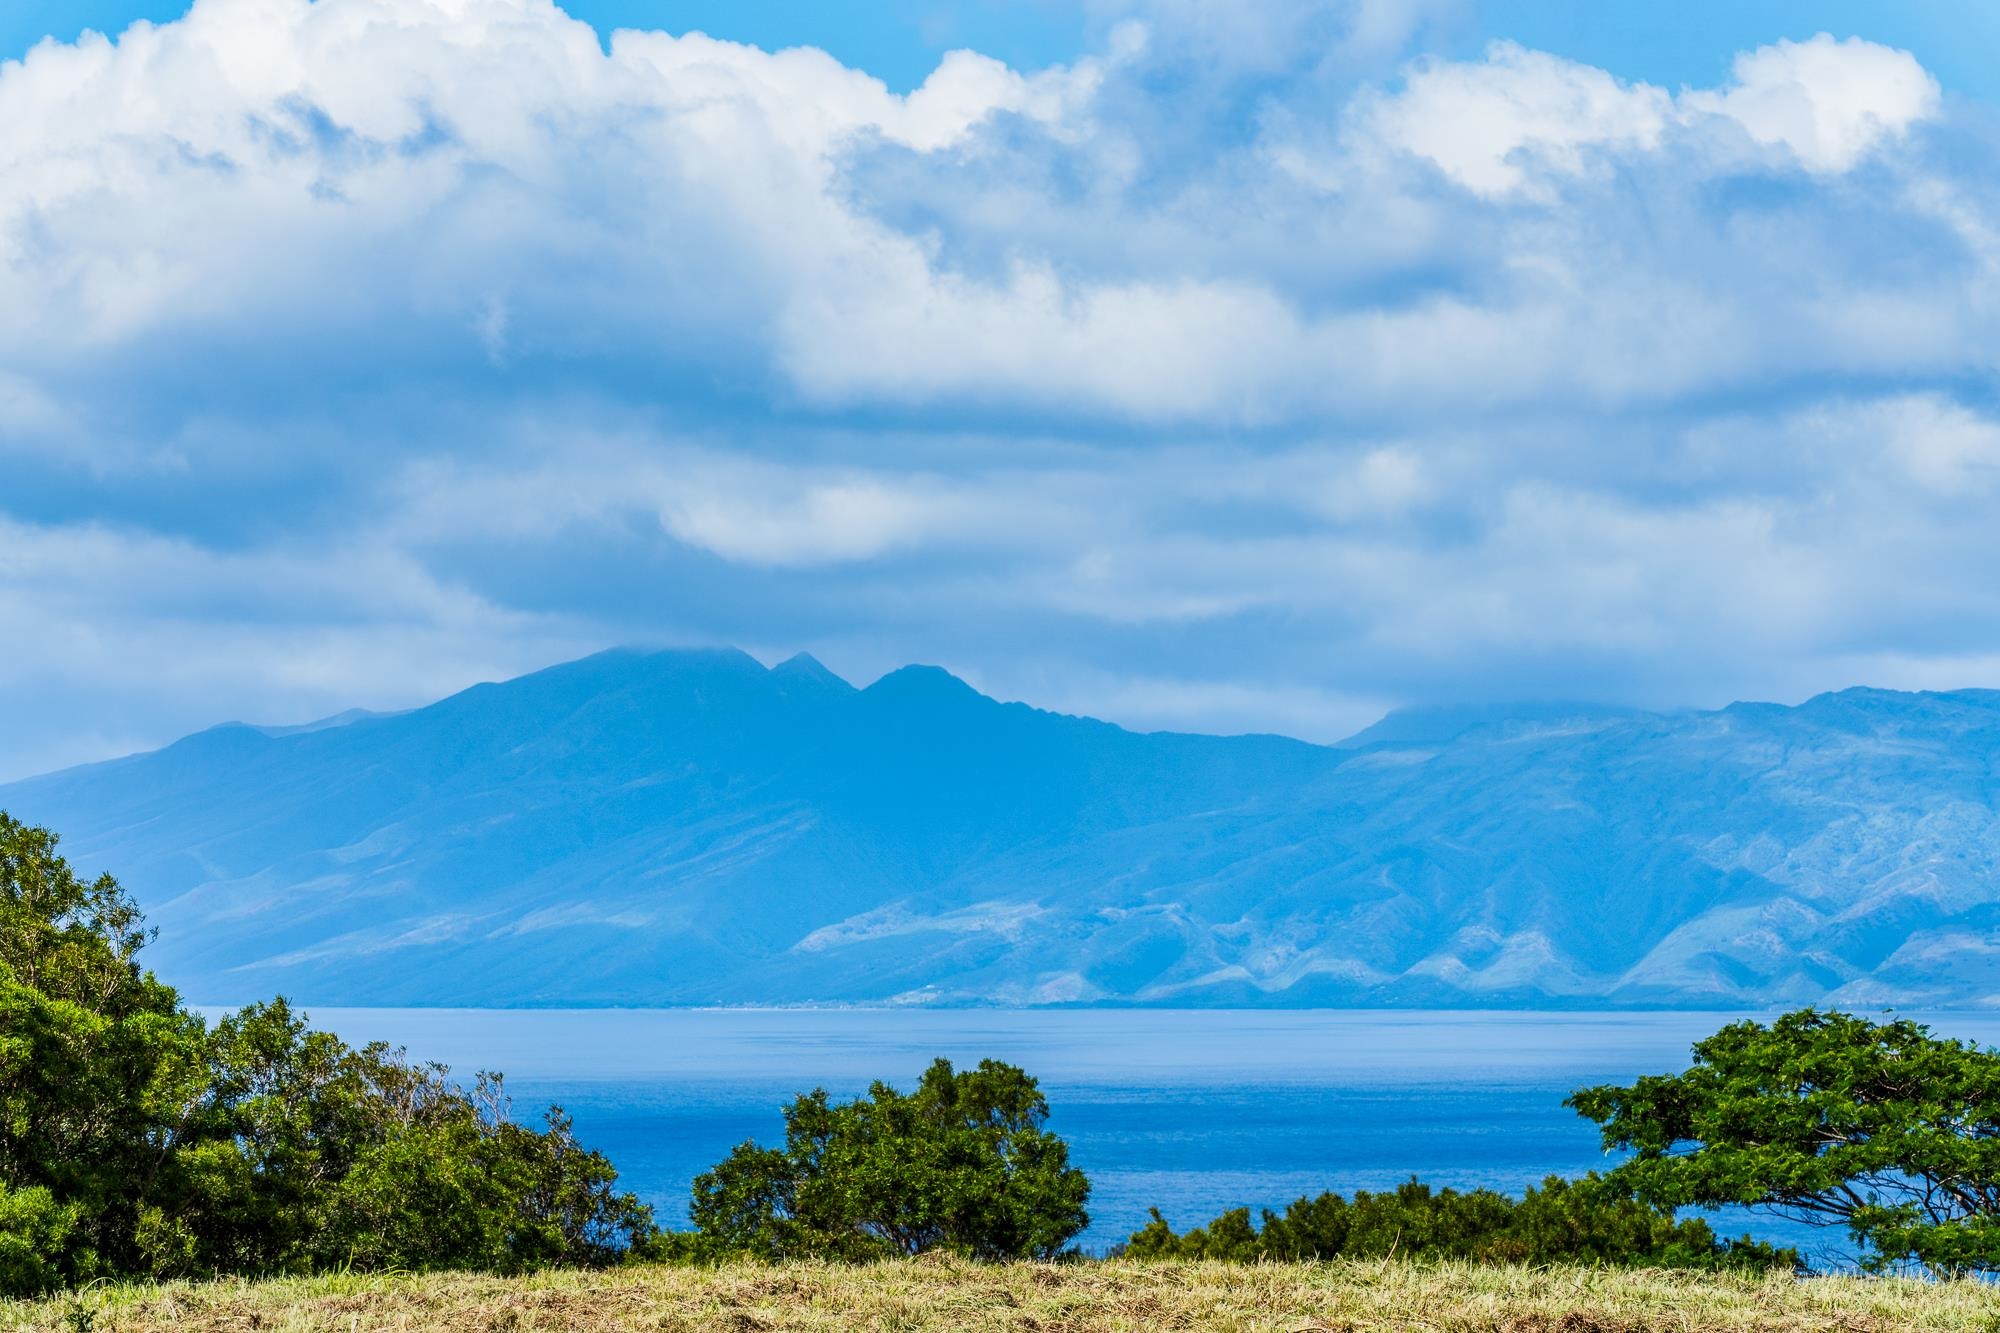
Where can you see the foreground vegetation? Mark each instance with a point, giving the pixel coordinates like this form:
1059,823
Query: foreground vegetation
1585,1222
140,1142
949,1294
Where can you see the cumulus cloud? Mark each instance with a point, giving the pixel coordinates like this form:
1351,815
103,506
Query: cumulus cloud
1499,124
478,185
1830,103
1510,121
1242,376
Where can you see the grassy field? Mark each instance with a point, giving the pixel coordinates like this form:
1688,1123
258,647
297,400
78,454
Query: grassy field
948,1295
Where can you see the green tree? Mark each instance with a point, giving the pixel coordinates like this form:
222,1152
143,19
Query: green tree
964,1163
474,1190
306,1153
97,1060
137,1141
1827,1118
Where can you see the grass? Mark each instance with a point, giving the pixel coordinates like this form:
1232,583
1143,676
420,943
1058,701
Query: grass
1071,1298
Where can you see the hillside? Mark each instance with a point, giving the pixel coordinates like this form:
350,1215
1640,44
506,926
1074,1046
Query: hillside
944,1294
693,828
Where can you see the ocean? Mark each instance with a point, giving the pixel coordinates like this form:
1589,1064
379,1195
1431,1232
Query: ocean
1190,1111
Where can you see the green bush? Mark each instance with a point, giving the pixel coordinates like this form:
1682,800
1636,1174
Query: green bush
34,1238
962,1164
136,1140
1562,1221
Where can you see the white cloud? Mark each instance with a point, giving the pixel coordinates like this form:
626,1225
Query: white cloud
479,180
779,518
1143,350
1495,124
354,349
1510,121
1946,447
1830,102
369,161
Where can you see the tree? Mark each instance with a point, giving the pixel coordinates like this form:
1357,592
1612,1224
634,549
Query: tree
1825,1118
96,1058
476,1191
135,1140
962,1164
306,1153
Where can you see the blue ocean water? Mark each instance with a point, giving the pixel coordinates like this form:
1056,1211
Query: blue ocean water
1190,1111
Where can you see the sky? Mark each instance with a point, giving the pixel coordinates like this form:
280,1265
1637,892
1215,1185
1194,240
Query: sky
1187,365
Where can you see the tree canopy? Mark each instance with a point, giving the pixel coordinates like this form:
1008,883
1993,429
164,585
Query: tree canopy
1825,1117
138,1140
964,1163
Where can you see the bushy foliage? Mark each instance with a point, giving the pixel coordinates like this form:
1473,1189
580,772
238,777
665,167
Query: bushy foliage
962,1164
1829,1118
1562,1221
137,1140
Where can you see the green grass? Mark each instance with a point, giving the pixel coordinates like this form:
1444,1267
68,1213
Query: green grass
1070,1298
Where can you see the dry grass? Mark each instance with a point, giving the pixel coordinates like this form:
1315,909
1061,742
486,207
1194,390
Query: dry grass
1078,1298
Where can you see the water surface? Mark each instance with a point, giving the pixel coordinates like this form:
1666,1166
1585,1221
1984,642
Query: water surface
1190,1111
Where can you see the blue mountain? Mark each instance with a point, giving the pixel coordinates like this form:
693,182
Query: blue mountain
667,828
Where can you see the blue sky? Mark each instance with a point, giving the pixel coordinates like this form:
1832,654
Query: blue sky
1197,367
900,41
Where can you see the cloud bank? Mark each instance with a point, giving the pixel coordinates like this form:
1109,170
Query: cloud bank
353,350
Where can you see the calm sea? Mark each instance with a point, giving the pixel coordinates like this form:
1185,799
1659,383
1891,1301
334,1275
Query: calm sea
1191,1111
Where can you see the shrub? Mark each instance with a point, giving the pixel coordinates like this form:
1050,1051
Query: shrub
35,1235
1561,1221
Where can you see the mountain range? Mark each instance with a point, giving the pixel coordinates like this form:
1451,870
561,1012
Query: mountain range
692,828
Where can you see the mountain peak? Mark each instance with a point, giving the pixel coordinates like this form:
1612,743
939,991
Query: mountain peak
691,827
633,661
804,666
920,683
717,659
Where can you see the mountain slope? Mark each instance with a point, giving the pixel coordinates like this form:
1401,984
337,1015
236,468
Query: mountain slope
690,827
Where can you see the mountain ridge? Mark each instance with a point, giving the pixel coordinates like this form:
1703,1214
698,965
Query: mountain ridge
692,827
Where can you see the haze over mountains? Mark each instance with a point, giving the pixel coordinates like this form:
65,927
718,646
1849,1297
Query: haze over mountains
692,828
